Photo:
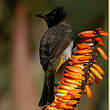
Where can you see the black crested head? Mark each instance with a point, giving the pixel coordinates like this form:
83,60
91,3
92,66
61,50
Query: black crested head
54,17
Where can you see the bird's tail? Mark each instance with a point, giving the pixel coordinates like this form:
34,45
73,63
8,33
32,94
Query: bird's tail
48,88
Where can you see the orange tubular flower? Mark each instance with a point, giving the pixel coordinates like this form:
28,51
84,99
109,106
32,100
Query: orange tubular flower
87,40
84,51
96,73
85,45
88,91
101,32
85,58
86,32
81,71
74,69
102,53
100,42
87,35
79,66
72,76
98,68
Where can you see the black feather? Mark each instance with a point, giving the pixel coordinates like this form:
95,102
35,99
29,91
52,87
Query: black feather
48,88
55,16
59,11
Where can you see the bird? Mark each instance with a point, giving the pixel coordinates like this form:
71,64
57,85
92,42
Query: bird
55,49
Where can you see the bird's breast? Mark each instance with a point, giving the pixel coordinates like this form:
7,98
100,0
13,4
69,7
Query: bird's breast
67,52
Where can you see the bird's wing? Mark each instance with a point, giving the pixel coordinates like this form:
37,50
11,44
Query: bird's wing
52,45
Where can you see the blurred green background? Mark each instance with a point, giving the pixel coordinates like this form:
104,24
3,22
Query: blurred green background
82,15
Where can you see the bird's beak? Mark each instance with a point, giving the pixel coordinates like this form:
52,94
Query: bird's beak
41,16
